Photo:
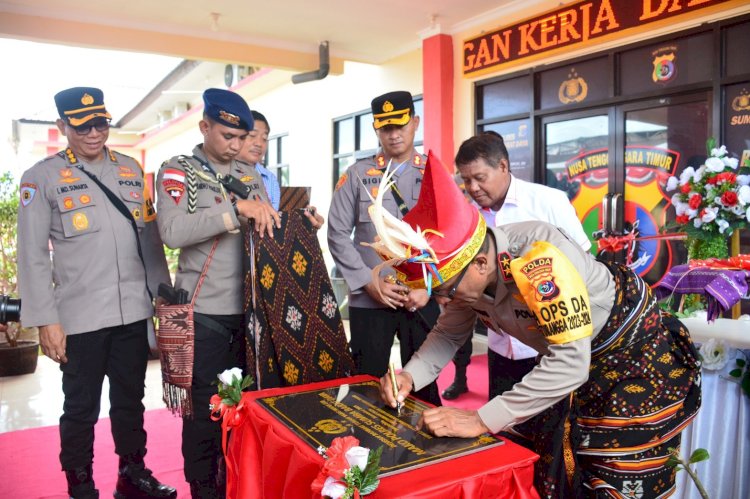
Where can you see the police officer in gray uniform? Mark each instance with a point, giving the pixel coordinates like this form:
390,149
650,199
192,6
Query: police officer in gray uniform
374,323
91,301
217,214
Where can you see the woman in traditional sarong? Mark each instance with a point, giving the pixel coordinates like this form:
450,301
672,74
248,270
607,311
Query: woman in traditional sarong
616,381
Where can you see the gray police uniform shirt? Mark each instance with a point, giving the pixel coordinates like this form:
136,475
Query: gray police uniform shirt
562,368
95,279
194,233
349,213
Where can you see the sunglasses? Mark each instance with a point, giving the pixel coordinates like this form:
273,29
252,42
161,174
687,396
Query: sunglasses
101,126
452,292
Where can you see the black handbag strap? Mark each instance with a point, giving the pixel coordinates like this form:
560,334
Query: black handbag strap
126,213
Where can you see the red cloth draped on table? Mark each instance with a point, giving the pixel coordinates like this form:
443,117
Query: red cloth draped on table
265,459
295,331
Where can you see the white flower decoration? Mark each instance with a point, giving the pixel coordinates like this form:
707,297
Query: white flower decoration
709,215
697,222
714,165
227,376
747,215
719,152
743,179
723,225
732,163
333,488
744,194
715,354
672,183
698,175
357,456
686,175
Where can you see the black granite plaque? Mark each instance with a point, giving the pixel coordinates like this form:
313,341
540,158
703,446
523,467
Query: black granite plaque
319,416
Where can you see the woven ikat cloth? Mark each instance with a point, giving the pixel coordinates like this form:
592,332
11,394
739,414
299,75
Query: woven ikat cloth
294,328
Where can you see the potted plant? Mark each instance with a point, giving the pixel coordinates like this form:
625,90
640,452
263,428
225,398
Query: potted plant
20,350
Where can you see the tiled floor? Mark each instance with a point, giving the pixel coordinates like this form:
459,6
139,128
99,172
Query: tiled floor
34,400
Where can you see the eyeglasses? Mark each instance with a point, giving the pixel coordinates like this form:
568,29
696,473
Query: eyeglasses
452,292
101,126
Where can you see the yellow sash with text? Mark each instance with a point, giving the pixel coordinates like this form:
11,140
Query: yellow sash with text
554,291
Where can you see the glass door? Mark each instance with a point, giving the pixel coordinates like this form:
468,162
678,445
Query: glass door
661,138
576,161
652,140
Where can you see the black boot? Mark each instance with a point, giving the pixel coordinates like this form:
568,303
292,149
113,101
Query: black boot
135,481
457,387
204,490
81,483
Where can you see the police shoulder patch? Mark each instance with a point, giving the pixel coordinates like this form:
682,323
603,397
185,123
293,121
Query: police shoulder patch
28,191
342,181
555,292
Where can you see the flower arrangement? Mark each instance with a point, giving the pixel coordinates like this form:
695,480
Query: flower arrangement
349,471
227,403
713,199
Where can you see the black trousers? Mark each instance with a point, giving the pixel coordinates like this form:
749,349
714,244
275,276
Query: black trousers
372,333
219,345
121,354
505,372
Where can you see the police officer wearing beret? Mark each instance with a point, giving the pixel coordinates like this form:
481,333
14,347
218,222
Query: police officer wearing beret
91,301
374,321
217,214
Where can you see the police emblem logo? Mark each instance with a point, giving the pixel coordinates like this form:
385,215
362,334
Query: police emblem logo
372,172
418,161
136,213
68,203
246,178
87,100
741,102
229,117
539,273
27,193
387,106
80,221
342,181
503,262
126,171
173,182
665,67
574,89
374,191
67,177
84,199
380,160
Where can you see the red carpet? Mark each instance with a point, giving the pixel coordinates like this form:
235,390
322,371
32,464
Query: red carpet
30,468
478,383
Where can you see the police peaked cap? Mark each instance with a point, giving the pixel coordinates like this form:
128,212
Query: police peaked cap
78,105
227,108
393,108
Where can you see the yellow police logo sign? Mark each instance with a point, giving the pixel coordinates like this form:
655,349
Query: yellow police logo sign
329,427
136,213
387,106
574,89
84,199
80,221
68,203
87,100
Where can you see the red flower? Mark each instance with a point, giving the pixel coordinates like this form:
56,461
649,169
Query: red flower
695,201
685,188
713,180
682,219
729,198
727,177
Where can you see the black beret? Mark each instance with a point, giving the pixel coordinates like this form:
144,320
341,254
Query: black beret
227,108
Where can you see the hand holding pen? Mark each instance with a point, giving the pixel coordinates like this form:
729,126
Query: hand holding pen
394,386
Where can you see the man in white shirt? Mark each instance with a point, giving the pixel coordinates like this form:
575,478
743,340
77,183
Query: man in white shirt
502,198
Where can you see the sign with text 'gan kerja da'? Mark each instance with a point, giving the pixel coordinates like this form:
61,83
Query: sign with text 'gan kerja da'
569,26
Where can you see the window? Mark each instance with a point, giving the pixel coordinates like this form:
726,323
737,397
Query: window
354,138
276,157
